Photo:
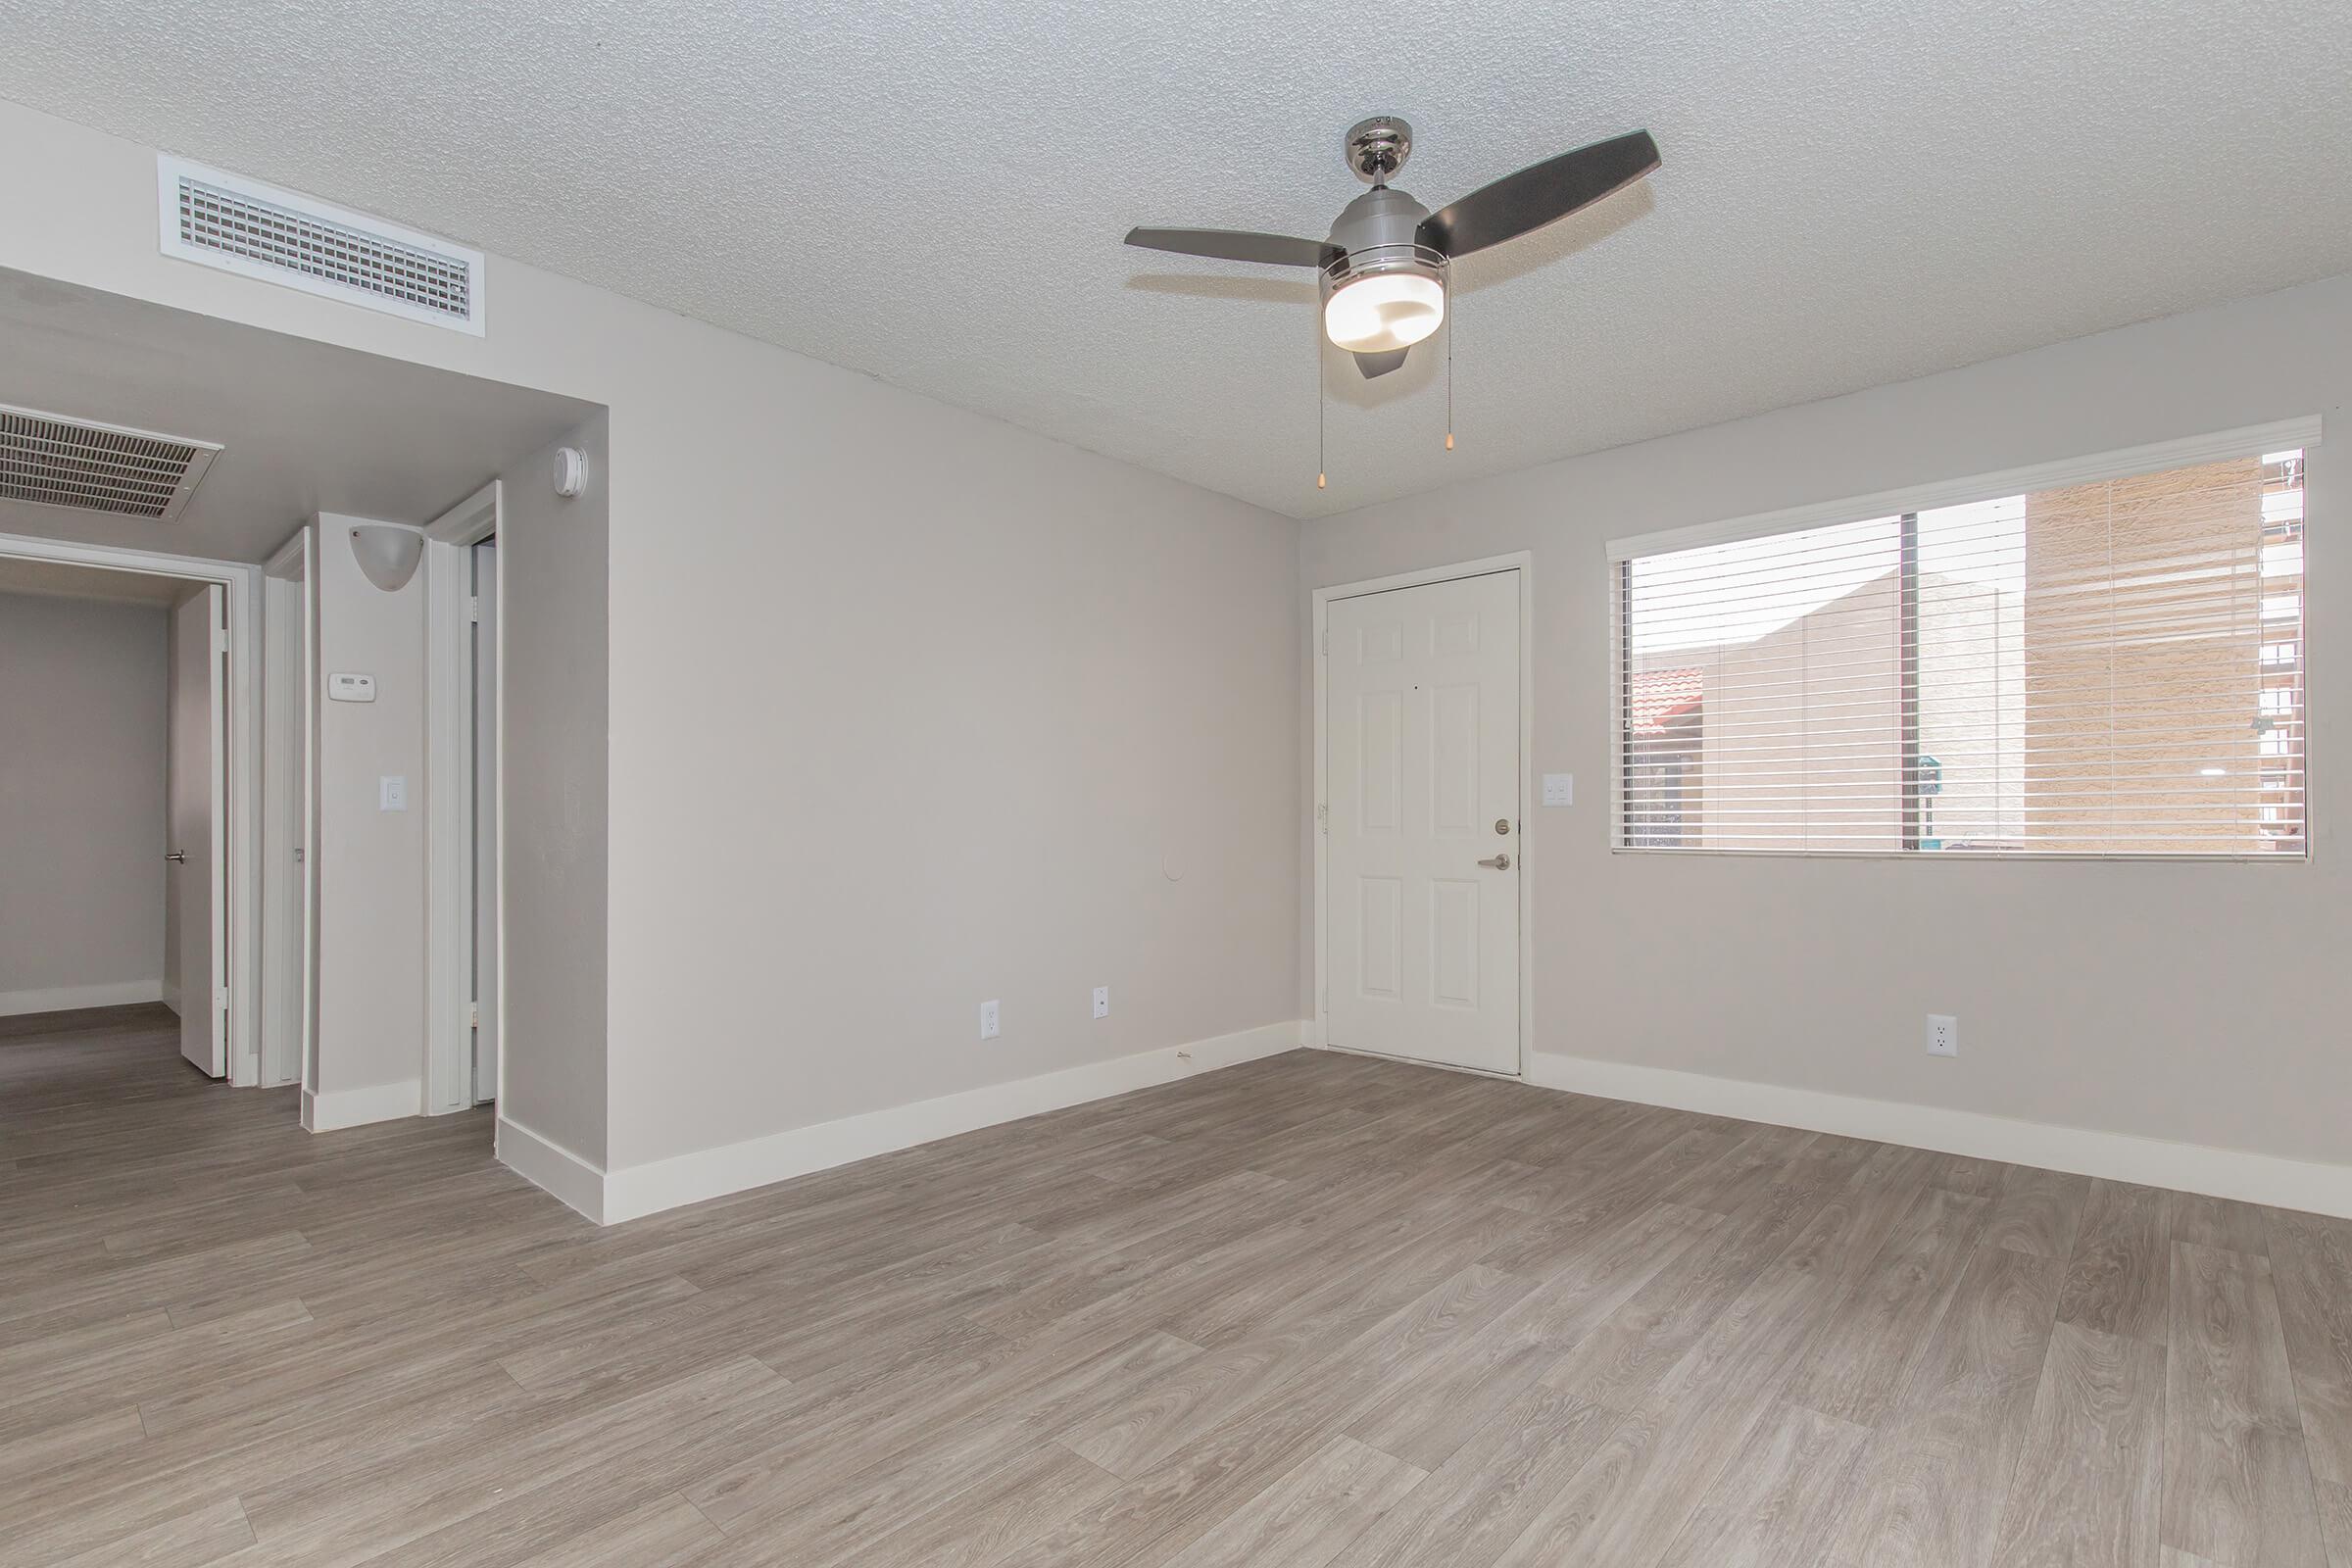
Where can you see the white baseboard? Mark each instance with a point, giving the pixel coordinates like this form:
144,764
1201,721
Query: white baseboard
65,998
636,1191
327,1111
2255,1178
548,1164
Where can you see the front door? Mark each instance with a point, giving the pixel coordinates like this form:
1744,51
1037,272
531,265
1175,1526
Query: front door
1422,776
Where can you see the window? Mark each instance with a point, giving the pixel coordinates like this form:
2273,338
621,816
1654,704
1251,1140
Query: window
2113,667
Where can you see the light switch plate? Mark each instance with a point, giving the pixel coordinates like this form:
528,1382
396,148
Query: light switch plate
392,792
1559,789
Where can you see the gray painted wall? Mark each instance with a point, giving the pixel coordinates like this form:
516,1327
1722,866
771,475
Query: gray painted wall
370,861
83,758
552,557
2197,1002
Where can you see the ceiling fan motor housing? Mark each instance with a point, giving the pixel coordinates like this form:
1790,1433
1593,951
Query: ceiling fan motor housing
1377,233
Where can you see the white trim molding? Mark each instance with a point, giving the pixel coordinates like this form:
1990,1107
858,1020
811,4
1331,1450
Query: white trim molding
289,839
67,998
610,1196
2319,1189
2280,436
547,1164
330,1110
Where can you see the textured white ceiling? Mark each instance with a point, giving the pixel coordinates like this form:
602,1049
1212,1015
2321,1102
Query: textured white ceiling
1854,191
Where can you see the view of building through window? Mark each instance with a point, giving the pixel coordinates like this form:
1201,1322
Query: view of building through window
2114,668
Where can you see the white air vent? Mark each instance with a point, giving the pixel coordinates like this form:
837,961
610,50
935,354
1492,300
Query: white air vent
56,462
257,231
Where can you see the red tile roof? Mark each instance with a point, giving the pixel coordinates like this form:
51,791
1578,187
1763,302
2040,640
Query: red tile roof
1659,695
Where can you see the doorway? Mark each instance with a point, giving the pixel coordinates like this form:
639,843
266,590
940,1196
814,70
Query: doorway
462,748
208,855
1421,734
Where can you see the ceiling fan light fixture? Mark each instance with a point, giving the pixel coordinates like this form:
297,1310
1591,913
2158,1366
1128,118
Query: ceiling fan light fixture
1379,312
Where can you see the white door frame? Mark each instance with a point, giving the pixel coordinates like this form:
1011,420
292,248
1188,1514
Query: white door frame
1522,563
448,910
289,903
243,867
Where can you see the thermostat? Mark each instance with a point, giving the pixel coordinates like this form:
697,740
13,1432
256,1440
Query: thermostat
351,688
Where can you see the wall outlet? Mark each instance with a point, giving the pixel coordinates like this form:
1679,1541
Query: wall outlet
1944,1035
1102,1001
989,1029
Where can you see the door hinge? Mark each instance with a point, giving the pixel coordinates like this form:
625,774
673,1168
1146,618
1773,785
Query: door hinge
1323,817
1327,640
474,1015
220,639
473,609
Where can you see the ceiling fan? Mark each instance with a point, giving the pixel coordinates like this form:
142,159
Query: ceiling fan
1384,266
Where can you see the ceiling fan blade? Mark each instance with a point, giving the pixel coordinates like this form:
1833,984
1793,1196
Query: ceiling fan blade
1234,245
1538,194
1373,364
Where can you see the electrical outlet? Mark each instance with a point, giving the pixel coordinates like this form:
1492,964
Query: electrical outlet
989,1029
1944,1035
1102,1001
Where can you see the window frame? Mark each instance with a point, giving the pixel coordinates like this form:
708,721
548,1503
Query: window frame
1906,504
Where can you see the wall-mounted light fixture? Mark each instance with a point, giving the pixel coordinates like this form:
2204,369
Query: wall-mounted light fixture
387,554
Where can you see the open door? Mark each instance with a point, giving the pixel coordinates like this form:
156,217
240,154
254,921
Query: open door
198,850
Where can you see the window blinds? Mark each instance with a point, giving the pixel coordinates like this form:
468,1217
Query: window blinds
2104,668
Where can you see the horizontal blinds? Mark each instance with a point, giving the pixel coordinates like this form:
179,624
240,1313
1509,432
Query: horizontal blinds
2114,668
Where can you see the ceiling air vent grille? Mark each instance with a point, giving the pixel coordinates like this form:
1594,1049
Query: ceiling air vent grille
241,227
52,461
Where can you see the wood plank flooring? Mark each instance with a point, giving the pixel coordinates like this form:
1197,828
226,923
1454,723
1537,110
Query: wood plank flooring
1318,1311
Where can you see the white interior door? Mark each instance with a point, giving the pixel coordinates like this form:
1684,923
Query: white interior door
198,850
485,821
1422,776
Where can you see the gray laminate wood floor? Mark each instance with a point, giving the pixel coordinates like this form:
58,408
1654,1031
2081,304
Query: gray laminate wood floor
1315,1310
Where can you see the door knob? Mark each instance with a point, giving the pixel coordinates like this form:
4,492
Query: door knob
177,856
1500,863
